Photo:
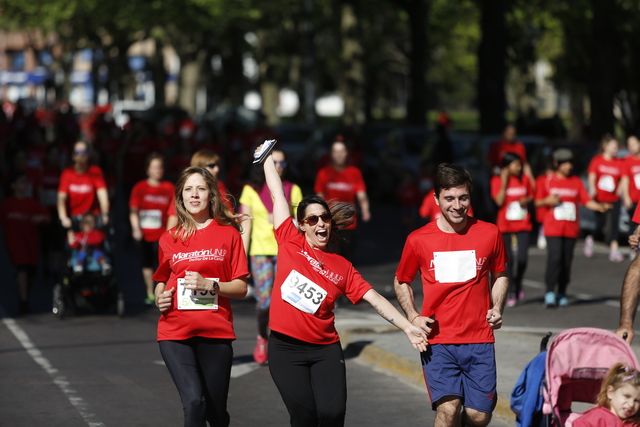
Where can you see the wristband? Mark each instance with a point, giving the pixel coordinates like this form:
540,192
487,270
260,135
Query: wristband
414,319
215,287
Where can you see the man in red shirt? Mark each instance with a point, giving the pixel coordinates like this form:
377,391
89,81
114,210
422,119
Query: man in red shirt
342,182
508,144
462,264
82,189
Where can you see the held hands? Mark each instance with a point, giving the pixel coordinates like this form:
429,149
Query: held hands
165,299
553,200
417,337
605,207
494,317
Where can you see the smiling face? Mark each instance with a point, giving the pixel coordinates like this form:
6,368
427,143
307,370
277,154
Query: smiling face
454,204
196,196
624,401
317,235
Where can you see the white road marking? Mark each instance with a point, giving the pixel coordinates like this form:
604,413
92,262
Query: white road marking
61,381
236,370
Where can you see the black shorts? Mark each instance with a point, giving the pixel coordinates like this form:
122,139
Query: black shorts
149,254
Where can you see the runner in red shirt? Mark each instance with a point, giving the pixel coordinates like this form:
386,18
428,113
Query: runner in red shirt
82,189
462,265
148,205
20,216
630,181
561,193
508,144
304,344
513,193
605,171
210,161
344,183
201,266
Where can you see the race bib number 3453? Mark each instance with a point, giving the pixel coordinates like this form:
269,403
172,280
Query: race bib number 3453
190,299
302,293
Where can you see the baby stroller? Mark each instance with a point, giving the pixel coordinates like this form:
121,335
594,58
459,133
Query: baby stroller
574,366
88,283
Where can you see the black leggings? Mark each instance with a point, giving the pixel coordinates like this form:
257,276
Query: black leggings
312,380
515,281
559,260
201,370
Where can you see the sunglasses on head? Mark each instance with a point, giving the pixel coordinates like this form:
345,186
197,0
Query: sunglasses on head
281,164
313,219
211,165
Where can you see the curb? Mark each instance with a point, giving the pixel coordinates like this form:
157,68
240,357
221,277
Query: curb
411,372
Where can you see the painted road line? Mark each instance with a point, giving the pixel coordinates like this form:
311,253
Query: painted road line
61,381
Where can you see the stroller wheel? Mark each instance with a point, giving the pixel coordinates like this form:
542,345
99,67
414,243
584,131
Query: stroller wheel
120,305
58,301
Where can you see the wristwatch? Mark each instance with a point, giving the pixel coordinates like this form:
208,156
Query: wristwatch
215,287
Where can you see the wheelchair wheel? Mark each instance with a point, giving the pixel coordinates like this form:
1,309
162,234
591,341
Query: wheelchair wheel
59,305
120,305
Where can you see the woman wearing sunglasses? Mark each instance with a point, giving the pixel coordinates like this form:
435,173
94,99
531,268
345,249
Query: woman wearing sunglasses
260,244
305,356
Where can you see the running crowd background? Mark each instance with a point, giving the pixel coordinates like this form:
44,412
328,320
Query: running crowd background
39,144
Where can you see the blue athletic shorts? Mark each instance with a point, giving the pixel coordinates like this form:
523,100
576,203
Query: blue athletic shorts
467,371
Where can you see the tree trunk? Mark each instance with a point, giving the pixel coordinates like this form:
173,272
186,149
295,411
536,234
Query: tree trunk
269,91
352,76
492,54
190,71
605,56
308,65
417,95
159,73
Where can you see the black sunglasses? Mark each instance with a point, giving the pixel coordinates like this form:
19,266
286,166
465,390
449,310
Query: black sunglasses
211,165
313,219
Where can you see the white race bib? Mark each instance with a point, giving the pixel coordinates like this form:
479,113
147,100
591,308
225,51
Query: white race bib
302,293
565,211
455,266
190,299
606,183
515,212
150,219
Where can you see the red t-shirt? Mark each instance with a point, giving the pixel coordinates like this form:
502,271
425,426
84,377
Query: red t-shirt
562,220
224,193
599,416
93,238
631,169
458,297
499,148
341,185
336,276
215,252
81,189
20,233
608,174
636,215
429,208
152,203
512,217
542,210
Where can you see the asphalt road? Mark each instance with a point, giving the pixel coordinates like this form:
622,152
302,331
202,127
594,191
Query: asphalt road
98,369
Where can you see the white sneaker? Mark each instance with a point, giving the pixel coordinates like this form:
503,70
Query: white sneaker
542,242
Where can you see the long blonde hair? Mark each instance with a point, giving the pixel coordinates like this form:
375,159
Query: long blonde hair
218,211
620,374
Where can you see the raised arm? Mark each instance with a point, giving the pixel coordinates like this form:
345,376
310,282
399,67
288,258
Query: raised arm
281,210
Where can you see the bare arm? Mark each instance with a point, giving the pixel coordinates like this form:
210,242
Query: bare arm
237,288
502,193
388,312
247,224
499,288
526,168
629,300
591,187
134,219
408,305
598,207
281,210
363,201
103,201
62,210
624,192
